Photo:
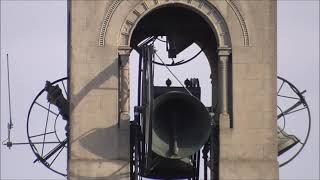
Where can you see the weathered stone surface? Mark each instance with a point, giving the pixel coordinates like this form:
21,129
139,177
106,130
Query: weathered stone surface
99,149
100,29
248,170
106,170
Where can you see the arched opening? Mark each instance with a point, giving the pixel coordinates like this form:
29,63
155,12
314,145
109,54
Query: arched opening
192,36
197,68
186,43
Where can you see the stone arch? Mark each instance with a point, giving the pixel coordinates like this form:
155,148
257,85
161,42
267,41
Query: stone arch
233,4
204,8
221,32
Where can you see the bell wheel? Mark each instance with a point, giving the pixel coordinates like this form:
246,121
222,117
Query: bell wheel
47,128
293,119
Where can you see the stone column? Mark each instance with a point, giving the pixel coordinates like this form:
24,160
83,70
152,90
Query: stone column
223,61
124,87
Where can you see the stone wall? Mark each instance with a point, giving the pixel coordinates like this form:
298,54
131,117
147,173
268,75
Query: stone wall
99,146
249,150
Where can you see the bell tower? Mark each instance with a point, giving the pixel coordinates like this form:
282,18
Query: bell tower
239,41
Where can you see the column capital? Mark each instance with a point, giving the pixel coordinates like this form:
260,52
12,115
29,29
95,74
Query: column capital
224,51
124,54
124,50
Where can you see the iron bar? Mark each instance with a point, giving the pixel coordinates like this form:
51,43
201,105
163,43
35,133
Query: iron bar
45,129
56,156
289,109
46,108
42,134
289,97
10,125
280,87
295,110
150,93
139,113
144,101
27,143
54,150
64,87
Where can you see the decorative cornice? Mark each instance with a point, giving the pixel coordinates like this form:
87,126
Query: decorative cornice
105,23
242,22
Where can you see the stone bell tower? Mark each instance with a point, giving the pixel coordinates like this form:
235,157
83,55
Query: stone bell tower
243,60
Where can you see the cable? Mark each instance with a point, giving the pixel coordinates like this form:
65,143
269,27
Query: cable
161,40
181,61
174,75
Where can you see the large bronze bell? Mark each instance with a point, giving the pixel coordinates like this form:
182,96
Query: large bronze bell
181,125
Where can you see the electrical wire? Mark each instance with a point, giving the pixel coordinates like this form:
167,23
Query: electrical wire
174,75
161,40
181,61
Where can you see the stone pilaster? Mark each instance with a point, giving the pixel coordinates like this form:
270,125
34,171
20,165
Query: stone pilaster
223,69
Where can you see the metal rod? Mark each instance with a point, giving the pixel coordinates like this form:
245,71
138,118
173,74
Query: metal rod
290,109
45,129
27,143
42,134
139,104
64,87
296,110
149,96
139,81
54,150
289,97
10,125
280,87
143,98
174,75
56,156
46,108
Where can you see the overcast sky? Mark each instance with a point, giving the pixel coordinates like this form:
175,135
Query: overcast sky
34,34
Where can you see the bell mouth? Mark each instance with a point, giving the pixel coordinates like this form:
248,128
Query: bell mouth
181,125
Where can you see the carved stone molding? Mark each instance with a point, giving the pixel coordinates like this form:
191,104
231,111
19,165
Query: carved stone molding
205,8
145,6
106,20
241,20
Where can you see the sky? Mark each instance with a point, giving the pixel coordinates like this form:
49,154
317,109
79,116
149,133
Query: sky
34,34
